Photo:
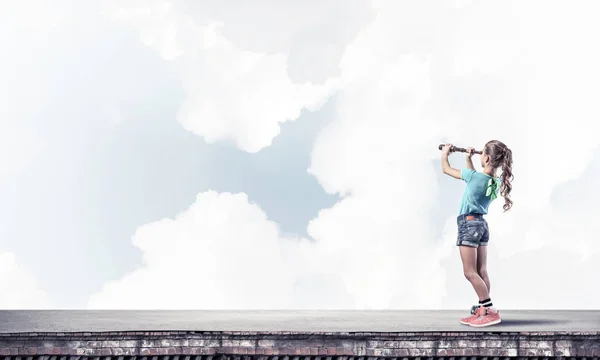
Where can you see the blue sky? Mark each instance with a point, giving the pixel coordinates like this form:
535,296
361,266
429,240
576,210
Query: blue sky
96,182
177,144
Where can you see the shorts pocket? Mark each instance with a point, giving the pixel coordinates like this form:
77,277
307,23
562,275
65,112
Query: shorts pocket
474,232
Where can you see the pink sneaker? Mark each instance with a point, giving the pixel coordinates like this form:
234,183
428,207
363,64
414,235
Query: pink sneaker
474,315
487,316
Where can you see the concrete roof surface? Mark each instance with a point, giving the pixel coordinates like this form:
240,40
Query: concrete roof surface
294,321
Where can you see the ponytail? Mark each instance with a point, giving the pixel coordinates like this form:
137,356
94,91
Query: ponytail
501,156
506,177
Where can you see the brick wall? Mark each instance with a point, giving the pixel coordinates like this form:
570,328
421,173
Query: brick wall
293,346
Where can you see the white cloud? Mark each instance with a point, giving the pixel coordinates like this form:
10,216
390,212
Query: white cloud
468,71
247,69
18,288
371,154
222,252
471,76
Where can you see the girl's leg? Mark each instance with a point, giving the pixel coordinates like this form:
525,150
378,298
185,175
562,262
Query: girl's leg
482,266
469,259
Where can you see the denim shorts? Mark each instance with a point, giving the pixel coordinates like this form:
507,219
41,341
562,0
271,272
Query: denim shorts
472,230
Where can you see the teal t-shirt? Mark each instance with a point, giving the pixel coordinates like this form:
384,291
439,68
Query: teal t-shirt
476,198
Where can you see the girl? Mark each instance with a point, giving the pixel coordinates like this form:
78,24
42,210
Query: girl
473,233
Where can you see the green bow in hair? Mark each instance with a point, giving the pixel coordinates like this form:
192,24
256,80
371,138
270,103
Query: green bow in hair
492,188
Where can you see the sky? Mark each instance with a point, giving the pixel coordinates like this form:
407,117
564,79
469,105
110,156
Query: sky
283,154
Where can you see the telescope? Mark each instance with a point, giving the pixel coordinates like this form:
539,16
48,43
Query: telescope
459,149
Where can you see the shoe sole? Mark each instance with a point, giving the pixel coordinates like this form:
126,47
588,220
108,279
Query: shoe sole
464,322
488,324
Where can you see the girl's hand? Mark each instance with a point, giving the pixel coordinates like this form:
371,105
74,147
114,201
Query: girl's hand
470,151
447,149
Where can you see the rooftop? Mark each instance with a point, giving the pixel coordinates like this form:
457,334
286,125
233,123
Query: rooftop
68,321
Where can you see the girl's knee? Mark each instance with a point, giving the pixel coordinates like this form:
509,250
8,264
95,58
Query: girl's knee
470,275
482,272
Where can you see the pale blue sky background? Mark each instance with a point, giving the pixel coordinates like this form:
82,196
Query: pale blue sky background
92,146
96,182
94,185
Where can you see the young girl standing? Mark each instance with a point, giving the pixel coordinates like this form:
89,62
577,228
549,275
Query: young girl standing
473,233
